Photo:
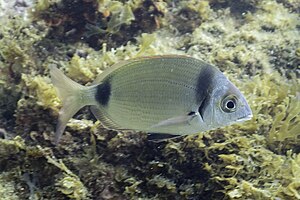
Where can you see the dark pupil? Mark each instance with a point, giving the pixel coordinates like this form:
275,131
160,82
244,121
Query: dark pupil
230,104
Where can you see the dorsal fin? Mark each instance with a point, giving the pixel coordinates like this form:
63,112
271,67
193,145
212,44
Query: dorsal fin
120,64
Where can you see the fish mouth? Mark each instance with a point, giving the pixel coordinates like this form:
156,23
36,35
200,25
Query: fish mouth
245,118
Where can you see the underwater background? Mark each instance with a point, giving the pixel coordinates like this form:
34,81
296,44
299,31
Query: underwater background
256,43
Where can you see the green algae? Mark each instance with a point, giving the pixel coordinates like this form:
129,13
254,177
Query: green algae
97,22
69,184
257,47
7,188
11,147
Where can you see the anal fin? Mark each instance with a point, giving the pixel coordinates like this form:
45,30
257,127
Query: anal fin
102,116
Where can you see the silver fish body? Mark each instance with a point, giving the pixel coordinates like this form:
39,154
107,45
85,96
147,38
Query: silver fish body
162,94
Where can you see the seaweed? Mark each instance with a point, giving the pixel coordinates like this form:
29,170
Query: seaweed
238,8
257,47
190,15
111,22
7,187
285,128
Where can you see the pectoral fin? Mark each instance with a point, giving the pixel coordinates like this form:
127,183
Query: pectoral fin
158,137
175,120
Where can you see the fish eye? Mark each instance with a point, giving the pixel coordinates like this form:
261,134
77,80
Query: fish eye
229,104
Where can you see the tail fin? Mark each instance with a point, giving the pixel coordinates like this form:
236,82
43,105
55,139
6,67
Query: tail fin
73,96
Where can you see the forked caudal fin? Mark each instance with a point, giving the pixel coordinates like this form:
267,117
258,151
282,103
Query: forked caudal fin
73,97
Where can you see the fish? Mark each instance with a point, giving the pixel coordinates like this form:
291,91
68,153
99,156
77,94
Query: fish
168,94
